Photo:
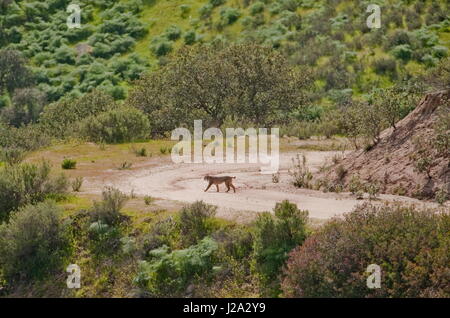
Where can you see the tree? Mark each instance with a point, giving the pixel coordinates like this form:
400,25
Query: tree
13,71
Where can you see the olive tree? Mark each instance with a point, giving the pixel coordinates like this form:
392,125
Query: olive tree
241,81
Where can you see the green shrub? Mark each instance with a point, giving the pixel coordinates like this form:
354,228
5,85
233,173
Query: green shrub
373,189
108,210
402,52
385,66
139,152
163,232
441,196
190,37
168,274
173,32
12,155
27,184
28,138
65,55
62,119
205,11
274,238
410,246
441,129
125,165
76,184
300,173
33,243
69,164
440,51
195,222
216,3
124,124
163,150
355,185
256,8
229,15
185,9
161,46
104,239
148,200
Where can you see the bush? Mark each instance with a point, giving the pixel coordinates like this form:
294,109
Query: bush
300,173
27,184
68,164
12,155
410,246
148,200
62,119
173,32
216,3
27,138
139,152
274,237
117,126
385,66
107,211
229,15
256,8
441,129
104,239
168,274
162,232
65,55
185,9
402,52
190,37
161,46
33,243
195,222
27,104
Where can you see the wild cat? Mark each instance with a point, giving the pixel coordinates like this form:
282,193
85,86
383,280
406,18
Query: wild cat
218,180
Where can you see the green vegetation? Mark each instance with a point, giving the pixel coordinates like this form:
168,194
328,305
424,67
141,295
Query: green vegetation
68,164
137,69
33,243
273,239
27,184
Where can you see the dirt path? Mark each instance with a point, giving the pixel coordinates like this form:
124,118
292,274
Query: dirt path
255,191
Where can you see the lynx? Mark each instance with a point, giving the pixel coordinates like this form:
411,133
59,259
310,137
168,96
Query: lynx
218,180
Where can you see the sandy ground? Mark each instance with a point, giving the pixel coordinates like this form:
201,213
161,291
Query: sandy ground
255,192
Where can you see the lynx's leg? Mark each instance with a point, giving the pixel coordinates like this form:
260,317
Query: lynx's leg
228,186
217,186
209,185
234,189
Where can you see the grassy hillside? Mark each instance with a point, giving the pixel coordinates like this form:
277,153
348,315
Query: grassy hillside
126,38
